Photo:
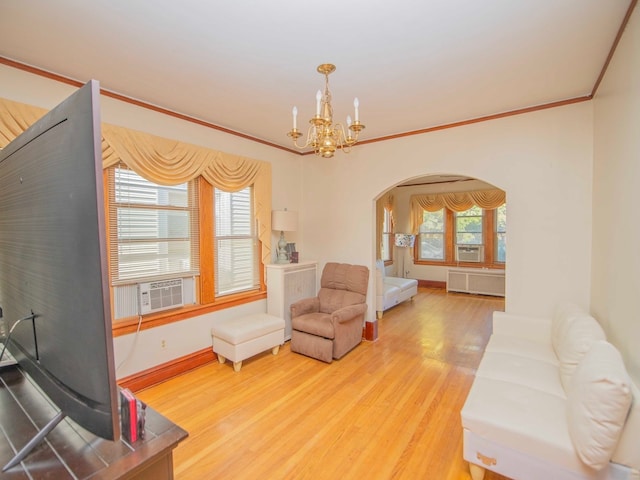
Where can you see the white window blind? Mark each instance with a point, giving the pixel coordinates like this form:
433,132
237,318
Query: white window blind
236,243
153,228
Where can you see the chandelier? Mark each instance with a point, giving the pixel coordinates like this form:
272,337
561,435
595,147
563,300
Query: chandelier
323,136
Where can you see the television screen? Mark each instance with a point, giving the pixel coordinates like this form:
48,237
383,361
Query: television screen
53,263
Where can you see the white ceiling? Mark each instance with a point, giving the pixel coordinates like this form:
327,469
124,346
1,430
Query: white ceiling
243,64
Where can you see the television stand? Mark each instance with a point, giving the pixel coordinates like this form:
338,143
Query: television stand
70,452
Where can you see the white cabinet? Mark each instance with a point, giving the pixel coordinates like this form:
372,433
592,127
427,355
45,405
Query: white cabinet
286,284
476,280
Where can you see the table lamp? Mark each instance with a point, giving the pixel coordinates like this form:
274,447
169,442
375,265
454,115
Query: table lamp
285,221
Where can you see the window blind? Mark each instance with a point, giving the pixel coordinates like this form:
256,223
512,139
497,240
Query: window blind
236,243
153,228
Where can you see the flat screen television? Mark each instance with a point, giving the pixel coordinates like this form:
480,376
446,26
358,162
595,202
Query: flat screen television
53,262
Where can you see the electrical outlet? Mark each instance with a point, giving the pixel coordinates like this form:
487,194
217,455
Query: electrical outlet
163,344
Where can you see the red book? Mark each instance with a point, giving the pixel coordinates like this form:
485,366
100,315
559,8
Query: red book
128,415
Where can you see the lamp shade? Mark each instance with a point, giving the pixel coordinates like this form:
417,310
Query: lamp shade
284,220
405,240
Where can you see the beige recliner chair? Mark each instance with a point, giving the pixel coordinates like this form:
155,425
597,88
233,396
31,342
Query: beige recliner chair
330,325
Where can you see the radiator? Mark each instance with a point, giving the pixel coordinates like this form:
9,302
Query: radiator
474,280
286,284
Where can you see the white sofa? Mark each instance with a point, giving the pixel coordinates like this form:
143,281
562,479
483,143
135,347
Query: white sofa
552,400
391,291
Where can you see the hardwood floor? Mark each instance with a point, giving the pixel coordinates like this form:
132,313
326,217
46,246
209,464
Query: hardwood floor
389,409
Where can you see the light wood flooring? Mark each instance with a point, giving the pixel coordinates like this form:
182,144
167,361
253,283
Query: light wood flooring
389,409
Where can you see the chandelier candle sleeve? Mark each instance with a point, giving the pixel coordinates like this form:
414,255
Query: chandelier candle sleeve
356,104
295,118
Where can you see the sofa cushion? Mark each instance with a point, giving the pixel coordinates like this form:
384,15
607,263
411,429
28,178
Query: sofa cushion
401,283
598,401
521,370
315,323
522,346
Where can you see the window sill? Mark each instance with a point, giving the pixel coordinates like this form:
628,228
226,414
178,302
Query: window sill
130,325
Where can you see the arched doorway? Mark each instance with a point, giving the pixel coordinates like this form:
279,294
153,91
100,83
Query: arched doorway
460,229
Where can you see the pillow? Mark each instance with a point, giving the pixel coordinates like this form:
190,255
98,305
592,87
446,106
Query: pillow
575,340
562,316
598,402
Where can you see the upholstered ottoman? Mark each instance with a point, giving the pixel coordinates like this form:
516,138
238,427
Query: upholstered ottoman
244,337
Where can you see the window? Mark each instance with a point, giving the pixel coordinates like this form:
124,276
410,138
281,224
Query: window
153,228
432,236
387,237
469,226
236,256
501,233
443,230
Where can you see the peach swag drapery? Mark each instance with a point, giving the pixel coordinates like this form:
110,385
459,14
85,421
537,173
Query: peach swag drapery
456,201
165,161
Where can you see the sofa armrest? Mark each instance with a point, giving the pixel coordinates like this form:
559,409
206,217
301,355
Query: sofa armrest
349,312
304,306
523,326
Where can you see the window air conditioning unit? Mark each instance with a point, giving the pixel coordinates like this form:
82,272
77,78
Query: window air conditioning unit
160,295
469,253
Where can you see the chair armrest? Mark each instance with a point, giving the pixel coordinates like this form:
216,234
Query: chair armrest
349,312
306,305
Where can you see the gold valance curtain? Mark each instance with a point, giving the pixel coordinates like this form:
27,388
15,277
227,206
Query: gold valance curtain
456,201
166,162
15,118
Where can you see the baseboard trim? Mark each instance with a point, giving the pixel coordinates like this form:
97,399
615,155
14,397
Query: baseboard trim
432,284
165,371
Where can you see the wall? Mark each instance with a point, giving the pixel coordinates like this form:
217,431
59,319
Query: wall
543,160
615,291
135,353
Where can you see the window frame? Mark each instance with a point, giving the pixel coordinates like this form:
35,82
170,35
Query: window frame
488,228
443,232
113,206
497,232
252,236
204,282
461,215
